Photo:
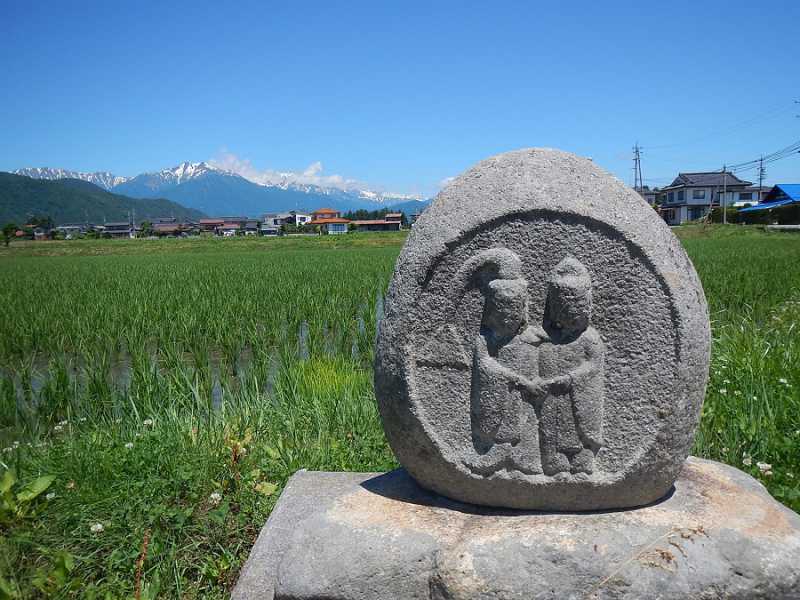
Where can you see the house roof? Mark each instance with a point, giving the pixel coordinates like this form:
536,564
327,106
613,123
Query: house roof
394,215
375,222
211,221
707,179
118,225
792,190
328,221
324,210
167,227
231,225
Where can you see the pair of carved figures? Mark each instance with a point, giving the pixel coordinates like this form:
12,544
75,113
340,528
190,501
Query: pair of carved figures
537,391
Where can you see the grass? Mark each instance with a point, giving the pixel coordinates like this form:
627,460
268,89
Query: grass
164,391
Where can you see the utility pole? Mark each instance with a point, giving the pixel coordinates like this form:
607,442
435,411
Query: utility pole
638,184
724,194
761,174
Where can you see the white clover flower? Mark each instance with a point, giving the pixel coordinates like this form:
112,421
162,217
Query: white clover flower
723,391
15,445
63,423
129,445
97,528
737,393
50,496
725,450
58,428
9,449
765,468
147,422
747,460
726,381
782,381
215,498
82,420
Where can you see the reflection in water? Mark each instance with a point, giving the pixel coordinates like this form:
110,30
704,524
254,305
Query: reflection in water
217,372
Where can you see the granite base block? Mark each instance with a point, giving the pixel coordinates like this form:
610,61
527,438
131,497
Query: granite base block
355,536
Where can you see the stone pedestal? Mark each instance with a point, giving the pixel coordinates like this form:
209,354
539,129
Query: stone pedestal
345,536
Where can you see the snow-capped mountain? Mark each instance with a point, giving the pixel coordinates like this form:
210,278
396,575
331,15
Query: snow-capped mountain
103,179
216,191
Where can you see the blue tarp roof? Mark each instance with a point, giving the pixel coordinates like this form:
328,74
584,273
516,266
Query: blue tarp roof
790,189
767,205
788,193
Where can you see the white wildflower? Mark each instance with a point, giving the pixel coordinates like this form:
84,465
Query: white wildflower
747,460
726,381
147,422
242,451
97,528
725,450
723,391
782,381
58,428
215,498
15,445
63,423
82,419
50,496
9,449
129,445
765,468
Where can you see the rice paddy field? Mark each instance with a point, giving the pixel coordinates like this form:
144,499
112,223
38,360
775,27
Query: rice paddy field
156,395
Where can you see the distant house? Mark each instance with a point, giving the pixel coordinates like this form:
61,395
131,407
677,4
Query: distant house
251,227
692,195
229,229
164,228
391,222
297,219
273,222
210,225
119,230
779,195
749,196
70,230
329,221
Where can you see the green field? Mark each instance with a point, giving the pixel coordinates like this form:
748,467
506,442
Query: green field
156,395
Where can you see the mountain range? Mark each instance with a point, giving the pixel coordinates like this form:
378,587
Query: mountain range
214,191
78,201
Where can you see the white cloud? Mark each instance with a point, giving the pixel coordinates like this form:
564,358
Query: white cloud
311,175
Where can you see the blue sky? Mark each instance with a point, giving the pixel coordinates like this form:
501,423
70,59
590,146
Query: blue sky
397,95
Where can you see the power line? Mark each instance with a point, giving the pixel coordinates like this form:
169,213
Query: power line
768,114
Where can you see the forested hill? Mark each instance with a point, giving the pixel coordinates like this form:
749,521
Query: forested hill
76,201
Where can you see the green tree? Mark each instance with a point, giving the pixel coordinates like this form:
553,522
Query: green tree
9,230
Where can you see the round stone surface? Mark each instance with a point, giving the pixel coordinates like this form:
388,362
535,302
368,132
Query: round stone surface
545,343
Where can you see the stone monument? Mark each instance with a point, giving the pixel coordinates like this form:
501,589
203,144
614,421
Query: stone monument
539,372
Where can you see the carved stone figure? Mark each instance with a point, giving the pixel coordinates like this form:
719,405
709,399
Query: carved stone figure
571,419
504,374
545,343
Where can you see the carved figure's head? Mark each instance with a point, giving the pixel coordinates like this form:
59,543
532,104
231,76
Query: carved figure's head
506,309
569,298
